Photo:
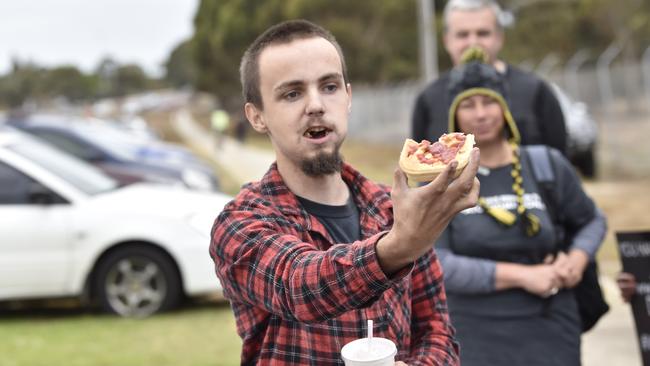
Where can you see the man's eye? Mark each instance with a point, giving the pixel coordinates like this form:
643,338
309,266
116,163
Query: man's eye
331,87
291,95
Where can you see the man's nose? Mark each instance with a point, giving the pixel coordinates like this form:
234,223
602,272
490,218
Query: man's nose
472,40
314,102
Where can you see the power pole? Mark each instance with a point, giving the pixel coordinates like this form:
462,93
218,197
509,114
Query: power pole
428,41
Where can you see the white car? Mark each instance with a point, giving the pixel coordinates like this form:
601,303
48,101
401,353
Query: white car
67,229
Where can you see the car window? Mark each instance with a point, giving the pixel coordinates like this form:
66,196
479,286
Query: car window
109,140
67,144
80,174
16,188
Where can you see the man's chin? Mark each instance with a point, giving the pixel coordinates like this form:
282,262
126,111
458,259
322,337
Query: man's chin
324,163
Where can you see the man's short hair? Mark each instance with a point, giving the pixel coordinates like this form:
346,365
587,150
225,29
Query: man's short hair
282,33
470,5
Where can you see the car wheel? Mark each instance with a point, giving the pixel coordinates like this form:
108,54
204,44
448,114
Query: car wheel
137,281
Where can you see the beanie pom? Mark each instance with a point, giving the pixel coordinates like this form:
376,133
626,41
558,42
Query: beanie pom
474,54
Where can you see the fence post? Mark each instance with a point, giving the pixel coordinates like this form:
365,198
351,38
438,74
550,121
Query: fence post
602,73
645,68
547,64
571,72
607,97
428,41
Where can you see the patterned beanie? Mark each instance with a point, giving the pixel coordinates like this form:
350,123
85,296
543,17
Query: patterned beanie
475,77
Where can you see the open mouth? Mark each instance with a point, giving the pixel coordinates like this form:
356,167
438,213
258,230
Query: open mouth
317,132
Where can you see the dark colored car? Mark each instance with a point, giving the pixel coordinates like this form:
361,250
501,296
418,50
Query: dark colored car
124,157
582,133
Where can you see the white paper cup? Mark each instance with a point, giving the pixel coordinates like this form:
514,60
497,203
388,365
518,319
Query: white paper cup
381,353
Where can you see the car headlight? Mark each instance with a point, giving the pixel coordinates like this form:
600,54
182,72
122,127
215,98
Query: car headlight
197,179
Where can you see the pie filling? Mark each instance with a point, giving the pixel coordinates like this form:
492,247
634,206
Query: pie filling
442,151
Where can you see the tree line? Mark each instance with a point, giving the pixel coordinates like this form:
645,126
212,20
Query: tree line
379,38
28,82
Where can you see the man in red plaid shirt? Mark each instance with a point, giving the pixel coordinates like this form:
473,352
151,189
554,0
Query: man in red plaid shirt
312,251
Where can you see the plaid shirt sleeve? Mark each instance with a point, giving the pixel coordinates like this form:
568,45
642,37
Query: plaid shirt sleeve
261,261
433,335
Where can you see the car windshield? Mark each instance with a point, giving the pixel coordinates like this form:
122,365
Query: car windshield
109,140
78,173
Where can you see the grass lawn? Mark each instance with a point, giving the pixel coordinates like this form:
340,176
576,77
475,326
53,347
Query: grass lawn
194,335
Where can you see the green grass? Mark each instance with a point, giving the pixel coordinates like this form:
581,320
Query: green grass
193,336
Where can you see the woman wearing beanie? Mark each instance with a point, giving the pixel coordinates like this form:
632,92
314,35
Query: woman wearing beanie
509,289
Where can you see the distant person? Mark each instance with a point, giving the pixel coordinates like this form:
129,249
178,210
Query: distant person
510,295
534,107
241,129
627,284
312,251
219,121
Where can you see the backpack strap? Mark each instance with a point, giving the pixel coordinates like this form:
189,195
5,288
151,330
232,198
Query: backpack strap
539,159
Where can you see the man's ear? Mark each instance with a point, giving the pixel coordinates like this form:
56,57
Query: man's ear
255,117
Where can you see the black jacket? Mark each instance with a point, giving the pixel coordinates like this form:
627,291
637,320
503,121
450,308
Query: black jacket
533,106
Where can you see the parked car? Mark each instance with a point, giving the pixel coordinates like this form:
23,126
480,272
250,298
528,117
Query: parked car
69,230
582,133
127,158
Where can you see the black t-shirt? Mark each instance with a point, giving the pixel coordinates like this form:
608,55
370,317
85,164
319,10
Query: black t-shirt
341,222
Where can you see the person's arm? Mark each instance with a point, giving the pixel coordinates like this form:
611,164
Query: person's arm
466,275
551,119
591,235
538,279
258,263
580,215
432,334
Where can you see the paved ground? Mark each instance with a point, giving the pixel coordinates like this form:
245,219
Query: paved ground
243,163
611,343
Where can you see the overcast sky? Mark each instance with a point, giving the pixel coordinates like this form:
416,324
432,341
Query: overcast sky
82,32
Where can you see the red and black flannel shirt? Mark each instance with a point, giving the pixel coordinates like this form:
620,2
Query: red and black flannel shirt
298,298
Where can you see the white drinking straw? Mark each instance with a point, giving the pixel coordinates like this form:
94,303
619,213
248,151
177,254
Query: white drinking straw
369,335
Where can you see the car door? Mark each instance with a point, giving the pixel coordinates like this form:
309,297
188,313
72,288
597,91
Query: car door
35,237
